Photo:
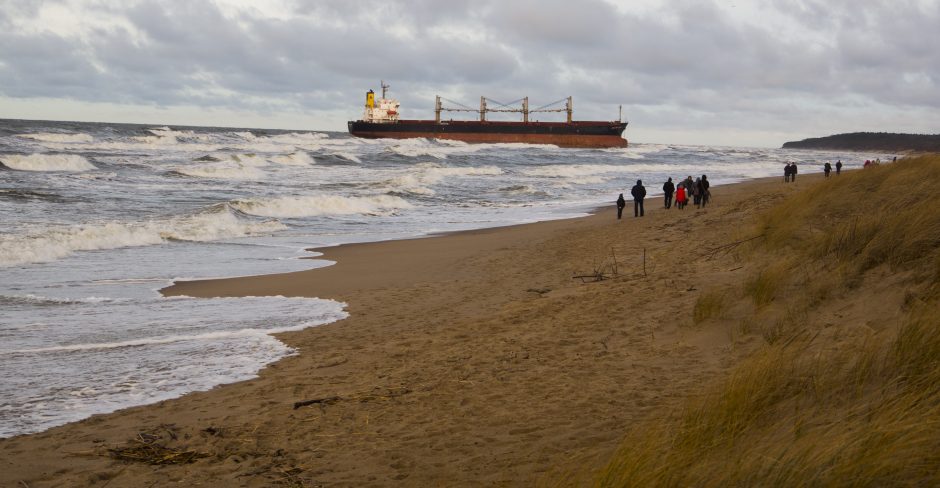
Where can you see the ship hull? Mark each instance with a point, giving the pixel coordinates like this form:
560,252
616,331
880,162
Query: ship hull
574,134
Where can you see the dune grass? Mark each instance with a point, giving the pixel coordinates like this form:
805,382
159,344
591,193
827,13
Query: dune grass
806,409
707,306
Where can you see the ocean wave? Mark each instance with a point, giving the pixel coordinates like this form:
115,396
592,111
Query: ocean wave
293,159
27,195
317,205
59,242
636,151
521,190
57,137
36,300
348,156
418,179
574,170
298,138
233,169
46,162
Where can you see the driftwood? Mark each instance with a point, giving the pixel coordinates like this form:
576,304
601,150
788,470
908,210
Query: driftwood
323,401
600,273
726,248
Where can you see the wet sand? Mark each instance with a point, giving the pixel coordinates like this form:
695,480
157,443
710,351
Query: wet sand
468,359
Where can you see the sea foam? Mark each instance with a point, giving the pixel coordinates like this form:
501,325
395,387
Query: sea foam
317,205
61,241
56,137
46,162
226,170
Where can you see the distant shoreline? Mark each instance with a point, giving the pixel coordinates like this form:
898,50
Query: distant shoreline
870,141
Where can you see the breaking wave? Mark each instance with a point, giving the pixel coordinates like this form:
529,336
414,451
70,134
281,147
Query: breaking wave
419,178
54,137
294,159
225,170
59,242
317,205
573,170
46,162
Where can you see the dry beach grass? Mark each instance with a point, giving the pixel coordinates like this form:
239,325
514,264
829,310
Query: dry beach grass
846,389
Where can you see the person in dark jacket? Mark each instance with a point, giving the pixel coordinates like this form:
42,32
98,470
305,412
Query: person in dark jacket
668,188
706,194
793,173
838,167
786,173
827,168
620,204
639,193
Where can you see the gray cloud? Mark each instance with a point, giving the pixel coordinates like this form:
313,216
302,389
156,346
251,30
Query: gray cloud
686,65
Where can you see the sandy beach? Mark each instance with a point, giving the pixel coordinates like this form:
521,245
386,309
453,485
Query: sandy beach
469,359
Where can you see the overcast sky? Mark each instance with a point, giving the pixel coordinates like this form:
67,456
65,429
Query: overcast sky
736,72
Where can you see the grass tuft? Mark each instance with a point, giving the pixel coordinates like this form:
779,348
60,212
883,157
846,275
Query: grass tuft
707,306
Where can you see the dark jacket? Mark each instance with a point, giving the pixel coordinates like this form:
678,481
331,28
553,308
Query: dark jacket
621,202
669,187
638,191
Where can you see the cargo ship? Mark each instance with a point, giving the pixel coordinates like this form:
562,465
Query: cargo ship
381,120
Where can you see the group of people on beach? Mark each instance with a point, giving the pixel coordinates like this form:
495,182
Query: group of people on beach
876,162
697,190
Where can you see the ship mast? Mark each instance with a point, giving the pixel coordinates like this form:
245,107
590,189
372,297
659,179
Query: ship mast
501,107
384,87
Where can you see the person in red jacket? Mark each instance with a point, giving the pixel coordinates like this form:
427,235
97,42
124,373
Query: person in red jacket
681,199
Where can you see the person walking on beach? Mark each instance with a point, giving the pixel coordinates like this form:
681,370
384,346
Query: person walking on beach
706,194
786,173
620,204
827,168
668,188
838,167
681,198
697,192
793,172
639,193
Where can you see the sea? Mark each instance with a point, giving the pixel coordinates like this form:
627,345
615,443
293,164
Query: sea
97,217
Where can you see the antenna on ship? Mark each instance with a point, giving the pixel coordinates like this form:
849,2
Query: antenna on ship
384,87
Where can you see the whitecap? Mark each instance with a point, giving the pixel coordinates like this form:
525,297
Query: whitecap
317,205
240,169
57,137
46,162
299,158
58,242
